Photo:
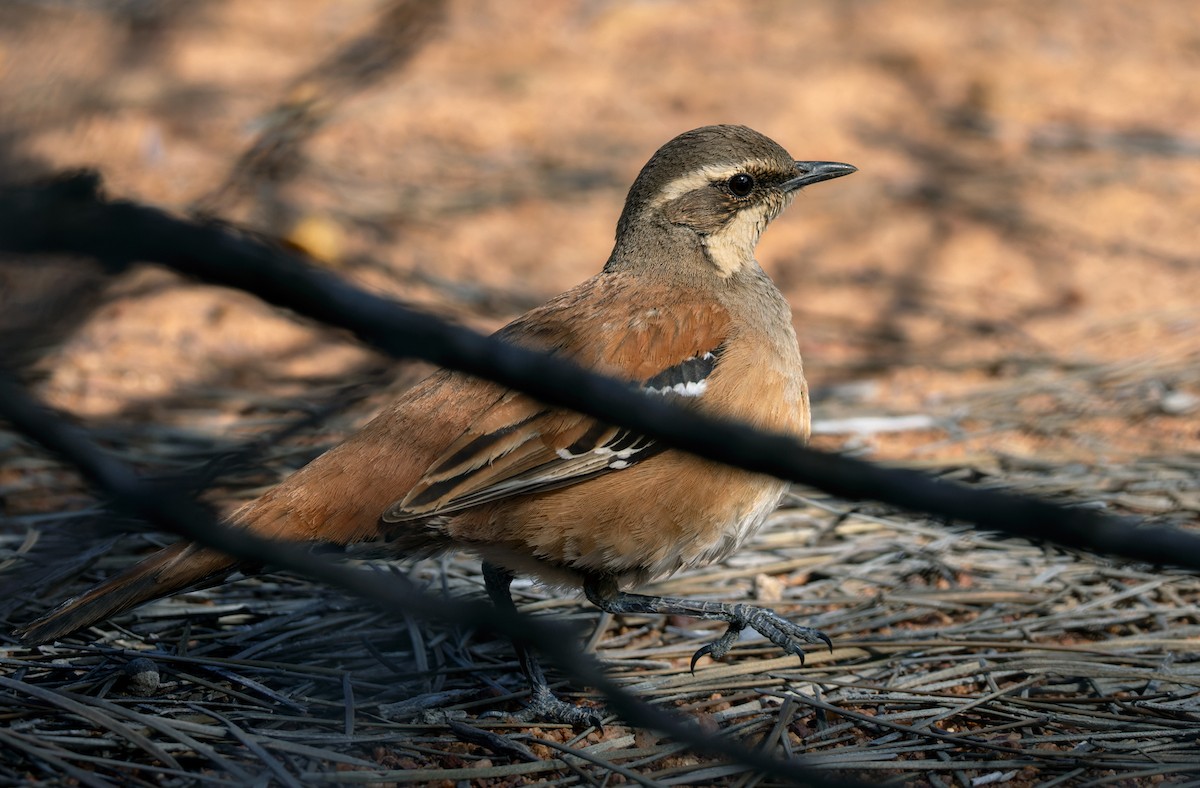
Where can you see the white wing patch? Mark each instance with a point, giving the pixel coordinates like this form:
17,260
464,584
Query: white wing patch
621,448
688,378
693,388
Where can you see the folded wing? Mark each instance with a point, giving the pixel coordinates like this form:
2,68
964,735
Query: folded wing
518,446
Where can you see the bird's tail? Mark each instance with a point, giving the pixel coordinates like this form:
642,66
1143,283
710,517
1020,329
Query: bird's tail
181,566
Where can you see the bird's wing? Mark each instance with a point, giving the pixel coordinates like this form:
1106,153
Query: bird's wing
518,446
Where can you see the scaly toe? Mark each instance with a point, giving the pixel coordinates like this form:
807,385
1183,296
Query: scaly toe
545,706
719,647
807,634
784,633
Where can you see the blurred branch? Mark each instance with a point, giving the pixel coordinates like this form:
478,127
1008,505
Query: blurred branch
1077,137
72,216
42,302
312,99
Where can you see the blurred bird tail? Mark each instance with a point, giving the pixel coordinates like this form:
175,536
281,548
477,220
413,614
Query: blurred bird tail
181,566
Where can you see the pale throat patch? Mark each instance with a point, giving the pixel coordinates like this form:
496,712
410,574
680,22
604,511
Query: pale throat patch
732,247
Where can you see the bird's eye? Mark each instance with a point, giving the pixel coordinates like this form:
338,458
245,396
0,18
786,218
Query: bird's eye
741,184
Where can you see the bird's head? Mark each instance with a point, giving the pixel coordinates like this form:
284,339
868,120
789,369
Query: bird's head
722,184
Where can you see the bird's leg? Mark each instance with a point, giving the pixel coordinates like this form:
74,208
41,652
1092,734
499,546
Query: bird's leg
604,594
543,705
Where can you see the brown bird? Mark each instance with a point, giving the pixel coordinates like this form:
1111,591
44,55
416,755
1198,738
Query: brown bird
681,309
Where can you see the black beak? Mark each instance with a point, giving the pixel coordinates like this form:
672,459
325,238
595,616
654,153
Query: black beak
816,171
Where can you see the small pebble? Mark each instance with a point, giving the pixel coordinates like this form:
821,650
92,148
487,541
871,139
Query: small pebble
143,677
1177,403
768,588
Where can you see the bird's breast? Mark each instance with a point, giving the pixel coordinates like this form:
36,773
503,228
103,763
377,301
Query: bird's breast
668,512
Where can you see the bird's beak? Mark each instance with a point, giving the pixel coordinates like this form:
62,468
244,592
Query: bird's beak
816,171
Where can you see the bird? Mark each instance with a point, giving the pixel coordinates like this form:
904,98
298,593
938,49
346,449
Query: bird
682,310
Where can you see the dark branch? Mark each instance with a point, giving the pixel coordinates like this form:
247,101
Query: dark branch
72,216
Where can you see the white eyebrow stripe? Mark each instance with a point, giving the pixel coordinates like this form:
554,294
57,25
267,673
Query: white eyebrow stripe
702,177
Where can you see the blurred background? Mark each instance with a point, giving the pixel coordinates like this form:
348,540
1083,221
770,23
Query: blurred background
1015,263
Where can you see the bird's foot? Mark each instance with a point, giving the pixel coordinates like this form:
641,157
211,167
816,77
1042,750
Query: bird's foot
545,706
767,623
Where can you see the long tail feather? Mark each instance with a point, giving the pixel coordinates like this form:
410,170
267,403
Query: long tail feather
170,570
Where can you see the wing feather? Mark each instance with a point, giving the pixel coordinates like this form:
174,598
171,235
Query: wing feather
516,446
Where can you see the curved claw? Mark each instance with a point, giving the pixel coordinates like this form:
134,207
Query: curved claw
719,647
784,633
707,648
